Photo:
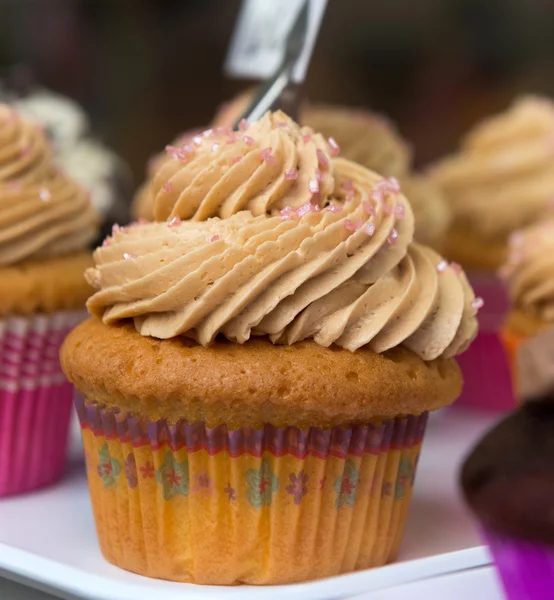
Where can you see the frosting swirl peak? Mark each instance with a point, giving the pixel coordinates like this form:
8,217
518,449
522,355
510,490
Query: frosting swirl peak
42,212
250,249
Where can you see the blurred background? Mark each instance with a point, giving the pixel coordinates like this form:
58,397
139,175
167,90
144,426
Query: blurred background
148,69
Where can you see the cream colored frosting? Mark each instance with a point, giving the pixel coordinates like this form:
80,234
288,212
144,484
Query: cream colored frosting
503,176
530,270
42,212
263,254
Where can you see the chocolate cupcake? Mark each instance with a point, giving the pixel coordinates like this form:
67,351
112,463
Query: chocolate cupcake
508,482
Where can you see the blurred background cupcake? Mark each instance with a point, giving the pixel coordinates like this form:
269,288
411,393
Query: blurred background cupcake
501,179
46,223
75,149
529,276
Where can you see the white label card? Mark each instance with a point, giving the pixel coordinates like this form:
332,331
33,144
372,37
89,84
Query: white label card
258,42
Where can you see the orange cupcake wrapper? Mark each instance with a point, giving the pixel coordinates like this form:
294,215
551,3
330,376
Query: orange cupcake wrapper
512,343
190,503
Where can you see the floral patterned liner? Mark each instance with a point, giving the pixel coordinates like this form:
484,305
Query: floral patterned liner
340,442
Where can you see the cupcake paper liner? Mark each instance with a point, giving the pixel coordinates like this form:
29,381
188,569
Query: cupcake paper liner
35,400
485,366
512,343
526,569
209,505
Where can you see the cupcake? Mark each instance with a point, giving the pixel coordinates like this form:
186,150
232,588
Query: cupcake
508,482
529,273
74,147
501,180
265,357
46,223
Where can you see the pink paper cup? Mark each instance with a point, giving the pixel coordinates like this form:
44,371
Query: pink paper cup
485,365
35,400
526,569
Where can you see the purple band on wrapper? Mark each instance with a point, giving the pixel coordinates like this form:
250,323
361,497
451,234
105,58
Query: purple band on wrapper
339,442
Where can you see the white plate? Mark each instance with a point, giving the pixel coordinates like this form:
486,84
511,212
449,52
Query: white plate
478,584
48,541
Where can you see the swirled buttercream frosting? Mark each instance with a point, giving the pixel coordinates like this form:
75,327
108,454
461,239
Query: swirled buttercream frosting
529,271
43,213
267,233
503,176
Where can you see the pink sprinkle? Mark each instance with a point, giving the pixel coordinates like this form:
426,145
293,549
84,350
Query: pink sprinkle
318,175
174,222
128,256
237,159
176,153
400,211
393,185
187,148
350,195
347,184
197,140
215,147
142,221
248,140
106,242
442,266
282,125
223,130
313,186
393,237
316,208
336,208
478,303
287,213
333,146
45,194
243,125
370,210
291,175
359,224
304,209
349,225
214,238
370,229
322,159
167,187
267,156
376,195
307,137
456,268
208,133
116,229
